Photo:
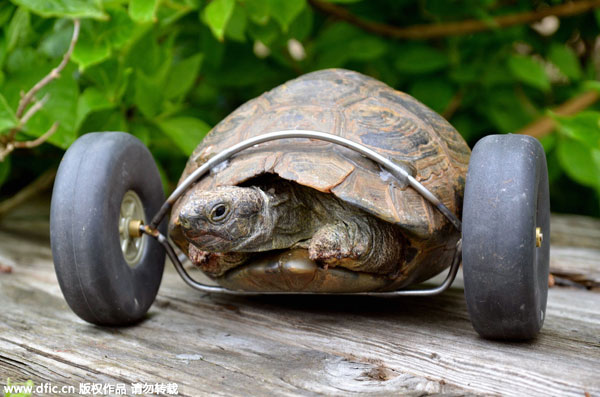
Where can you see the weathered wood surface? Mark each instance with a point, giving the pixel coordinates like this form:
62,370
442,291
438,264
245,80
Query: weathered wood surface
222,345
575,249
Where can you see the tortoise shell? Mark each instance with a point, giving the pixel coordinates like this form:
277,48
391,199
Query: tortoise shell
365,110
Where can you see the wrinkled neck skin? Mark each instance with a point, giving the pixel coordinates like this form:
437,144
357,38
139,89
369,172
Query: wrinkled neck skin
286,219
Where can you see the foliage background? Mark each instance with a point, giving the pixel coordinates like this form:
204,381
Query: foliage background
168,70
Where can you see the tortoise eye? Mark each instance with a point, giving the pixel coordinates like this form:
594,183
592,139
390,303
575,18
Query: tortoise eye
219,212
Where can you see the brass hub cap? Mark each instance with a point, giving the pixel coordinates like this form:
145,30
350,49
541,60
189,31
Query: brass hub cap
132,212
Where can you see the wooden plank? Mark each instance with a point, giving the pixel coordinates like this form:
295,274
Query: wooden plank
575,231
307,345
575,249
580,265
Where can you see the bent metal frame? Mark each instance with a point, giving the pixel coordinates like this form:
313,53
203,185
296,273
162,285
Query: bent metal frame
396,169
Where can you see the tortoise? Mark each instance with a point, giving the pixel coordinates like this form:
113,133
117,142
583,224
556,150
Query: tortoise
312,216
331,183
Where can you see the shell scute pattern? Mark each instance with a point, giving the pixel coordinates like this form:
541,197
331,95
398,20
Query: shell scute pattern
359,108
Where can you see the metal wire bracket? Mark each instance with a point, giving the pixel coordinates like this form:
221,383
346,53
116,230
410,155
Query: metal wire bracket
395,169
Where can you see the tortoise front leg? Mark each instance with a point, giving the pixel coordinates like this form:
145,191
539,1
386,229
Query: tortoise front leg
216,264
364,246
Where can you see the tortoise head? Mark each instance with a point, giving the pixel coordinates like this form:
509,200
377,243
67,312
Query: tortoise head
225,219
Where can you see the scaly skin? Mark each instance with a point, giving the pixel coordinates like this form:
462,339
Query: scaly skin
226,226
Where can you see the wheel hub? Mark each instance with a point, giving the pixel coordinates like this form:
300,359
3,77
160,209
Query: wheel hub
130,219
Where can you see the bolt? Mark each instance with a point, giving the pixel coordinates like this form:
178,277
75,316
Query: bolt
539,236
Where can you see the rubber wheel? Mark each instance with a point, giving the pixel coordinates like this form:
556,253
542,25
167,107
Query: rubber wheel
101,178
505,272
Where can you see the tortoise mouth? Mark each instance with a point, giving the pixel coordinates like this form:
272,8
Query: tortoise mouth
208,239
293,271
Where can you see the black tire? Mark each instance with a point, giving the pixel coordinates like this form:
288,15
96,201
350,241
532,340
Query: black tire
505,274
93,177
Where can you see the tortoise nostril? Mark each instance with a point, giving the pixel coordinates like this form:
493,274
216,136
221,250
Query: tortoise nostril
185,221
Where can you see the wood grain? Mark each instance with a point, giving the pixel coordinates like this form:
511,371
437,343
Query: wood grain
575,249
308,345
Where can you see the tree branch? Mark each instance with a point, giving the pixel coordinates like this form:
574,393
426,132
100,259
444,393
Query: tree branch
545,125
6,150
8,142
11,146
429,31
41,183
32,110
38,141
54,73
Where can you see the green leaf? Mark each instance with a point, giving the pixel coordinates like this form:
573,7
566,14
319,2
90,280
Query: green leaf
96,38
141,131
435,93
254,72
504,109
143,10
91,100
529,71
366,48
6,11
495,74
163,177
8,119
105,120
420,59
236,27
151,63
21,58
217,14
194,4
2,53
284,12
591,85
4,170
266,33
258,10
120,29
91,47
110,77
580,162
147,55
584,127
148,95
548,142
182,75
186,132
301,27
24,68
566,60
210,45
342,42
57,42
18,28
61,107
64,8
555,170
466,73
